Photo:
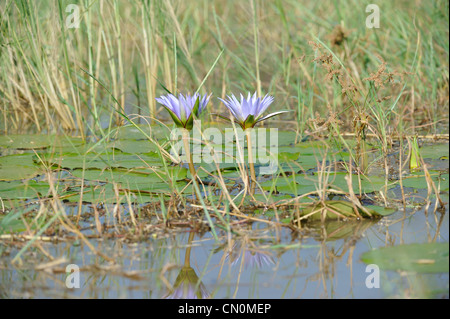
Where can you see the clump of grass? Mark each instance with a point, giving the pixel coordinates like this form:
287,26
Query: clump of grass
140,49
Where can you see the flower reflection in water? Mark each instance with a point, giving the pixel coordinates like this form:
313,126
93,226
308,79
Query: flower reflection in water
188,285
251,257
243,253
185,286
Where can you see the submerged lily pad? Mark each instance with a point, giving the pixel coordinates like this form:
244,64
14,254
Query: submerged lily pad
418,258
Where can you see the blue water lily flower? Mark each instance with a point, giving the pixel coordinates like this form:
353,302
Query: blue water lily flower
248,111
184,108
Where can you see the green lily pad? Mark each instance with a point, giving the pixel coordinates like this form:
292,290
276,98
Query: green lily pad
334,208
132,177
337,180
102,160
28,190
37,141
285,138
435,151
134,146
20,166
418,180
383,211
337,229
369,184
106,194
270,199
11,223
130,132
287,185
307,162
307,183
5,185
418,258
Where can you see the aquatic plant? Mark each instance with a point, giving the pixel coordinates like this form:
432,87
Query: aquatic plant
248,112
184,108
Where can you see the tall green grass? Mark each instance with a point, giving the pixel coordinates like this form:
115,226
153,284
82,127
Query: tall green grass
141,48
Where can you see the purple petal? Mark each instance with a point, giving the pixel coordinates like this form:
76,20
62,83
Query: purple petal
231,106
183,105
266,101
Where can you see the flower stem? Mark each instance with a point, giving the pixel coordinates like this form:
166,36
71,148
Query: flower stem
187,149
251,162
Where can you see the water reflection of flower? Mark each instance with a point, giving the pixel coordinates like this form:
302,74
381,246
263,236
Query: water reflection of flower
251,258
185,286
188,285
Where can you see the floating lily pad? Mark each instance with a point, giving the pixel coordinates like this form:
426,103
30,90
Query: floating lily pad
132,177
418,180
418,258
369,184
11,223
307,183
336,229
82,148
134,146
130,132
285,137
28,190
334,209
307,162
16,167
435,151
38,141
270,199
102,160
107,195
383,211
